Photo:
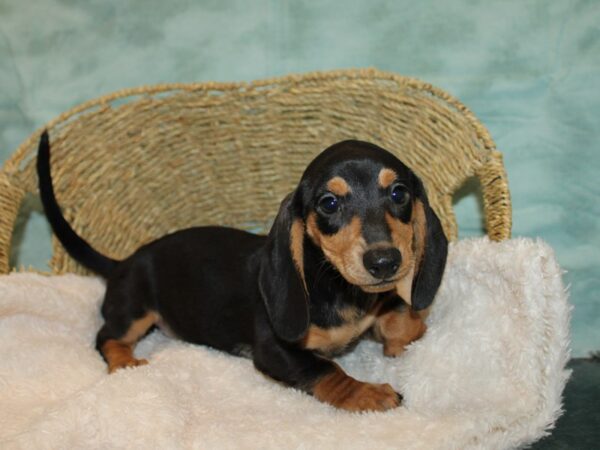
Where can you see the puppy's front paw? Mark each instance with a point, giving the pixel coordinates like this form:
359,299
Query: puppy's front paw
371,397
393,347
344,392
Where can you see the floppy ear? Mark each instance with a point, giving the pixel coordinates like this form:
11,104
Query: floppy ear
432,250
281,276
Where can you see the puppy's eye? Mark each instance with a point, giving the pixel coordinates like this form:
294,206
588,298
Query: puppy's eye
399,194
329,204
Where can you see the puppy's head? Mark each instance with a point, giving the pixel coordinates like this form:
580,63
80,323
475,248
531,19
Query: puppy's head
369,215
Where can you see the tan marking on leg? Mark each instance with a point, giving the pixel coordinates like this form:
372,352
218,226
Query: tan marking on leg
338,186
386,177
139,327
297,248
119,352
343,391
120,355
396,329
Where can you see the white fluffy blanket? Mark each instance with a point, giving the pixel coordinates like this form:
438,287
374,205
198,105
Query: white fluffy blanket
488,374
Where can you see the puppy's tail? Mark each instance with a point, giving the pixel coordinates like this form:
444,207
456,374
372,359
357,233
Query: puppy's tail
75,245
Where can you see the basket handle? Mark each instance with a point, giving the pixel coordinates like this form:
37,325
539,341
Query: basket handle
496,197
11,197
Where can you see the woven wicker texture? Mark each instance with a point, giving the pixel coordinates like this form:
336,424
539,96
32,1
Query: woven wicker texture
139,163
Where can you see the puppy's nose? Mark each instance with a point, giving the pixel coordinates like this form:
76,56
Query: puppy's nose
382,263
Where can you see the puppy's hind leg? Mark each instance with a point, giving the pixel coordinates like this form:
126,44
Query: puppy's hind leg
117,338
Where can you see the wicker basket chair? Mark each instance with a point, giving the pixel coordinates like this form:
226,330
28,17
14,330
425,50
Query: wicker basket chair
139,163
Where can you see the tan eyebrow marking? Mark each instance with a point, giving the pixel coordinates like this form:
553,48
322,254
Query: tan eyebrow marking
338,186
386,177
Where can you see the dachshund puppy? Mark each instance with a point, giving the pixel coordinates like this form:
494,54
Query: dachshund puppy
350,247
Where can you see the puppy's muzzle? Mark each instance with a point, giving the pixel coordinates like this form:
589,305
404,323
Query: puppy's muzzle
382,263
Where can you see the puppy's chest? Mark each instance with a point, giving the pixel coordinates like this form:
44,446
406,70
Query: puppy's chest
334,339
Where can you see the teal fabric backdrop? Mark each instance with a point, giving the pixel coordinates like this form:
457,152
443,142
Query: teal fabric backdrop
530,70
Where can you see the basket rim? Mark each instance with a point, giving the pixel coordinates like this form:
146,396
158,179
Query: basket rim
370,73
495,190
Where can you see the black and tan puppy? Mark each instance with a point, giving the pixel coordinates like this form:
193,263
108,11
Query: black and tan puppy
357,230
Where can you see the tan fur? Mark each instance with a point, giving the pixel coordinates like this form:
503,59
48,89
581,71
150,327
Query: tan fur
119,352
396,329
404,286
139,327
386,177
344,249
327,340
338,186
119,355
402,238
343,391
297,248
410,240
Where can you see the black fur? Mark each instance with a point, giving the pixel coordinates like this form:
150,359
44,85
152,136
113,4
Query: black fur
242,293
78,248
279,281
429,276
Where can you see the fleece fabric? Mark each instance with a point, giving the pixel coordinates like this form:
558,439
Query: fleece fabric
489,373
